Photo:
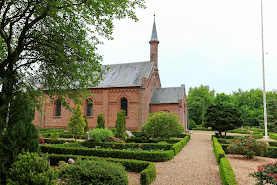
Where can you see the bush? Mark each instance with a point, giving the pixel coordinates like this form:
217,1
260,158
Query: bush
163,125
120,125
226,172
99,134
113,130
77,123
41,141
54,141
247,146
93,172
113,139
141,137
86,123
100,121
54,136
146,169
138,155
258,136
192,124
218,151
29,168
266,174
273,136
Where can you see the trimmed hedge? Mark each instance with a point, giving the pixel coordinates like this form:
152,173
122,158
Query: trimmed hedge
239,131
177,147
273,136
202,128
272,143
139,155
226,172
140,140
144,146
258,136
147,170
218,151
226,137
54,141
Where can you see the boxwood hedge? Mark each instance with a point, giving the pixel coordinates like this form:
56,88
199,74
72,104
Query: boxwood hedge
226,172
146,169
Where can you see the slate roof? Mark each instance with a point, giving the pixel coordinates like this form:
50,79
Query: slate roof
154,36
167,95
126,75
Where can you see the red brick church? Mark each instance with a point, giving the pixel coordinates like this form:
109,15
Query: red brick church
133,87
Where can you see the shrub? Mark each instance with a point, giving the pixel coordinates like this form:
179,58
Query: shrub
113,130
77,123
54,136
29,168
163,125
93,172
99,134
141,137
100,121
266,173
192,124
247,146
111,138
86,124
120,125
41,141
218,151
226,172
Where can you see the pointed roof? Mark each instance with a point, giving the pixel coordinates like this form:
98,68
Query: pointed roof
154,36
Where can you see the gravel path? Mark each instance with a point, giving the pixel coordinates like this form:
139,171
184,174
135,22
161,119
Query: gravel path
195,164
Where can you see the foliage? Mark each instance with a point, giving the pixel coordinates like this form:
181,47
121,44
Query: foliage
38,41
222,117
86,124
54,136
266,174
41,141
114,139
163,125
93,172
100,121
113,130
271,112
140,137
198,99
226,172
120,125
192,124
146,169
218,151
145,156
19,134
77,123
99,134
247,146
29,168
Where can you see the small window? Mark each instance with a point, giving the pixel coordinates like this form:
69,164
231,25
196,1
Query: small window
58,108
124,105
89,107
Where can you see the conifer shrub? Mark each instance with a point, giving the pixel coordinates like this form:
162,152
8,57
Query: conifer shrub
120,125
86,124
77,123
163,125
93,172
100,121
29,168
99,134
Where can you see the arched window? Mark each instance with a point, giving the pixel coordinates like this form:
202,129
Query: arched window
124,105
58,108
89,107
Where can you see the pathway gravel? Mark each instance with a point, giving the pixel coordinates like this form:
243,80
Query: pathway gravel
194,164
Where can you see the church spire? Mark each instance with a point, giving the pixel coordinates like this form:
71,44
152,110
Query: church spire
154,46
154,36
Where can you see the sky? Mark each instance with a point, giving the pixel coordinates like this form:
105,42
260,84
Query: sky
210,42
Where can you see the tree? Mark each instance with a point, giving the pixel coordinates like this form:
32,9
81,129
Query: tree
77,123
163,125
54,42
120,125
21,135
199,98
222,117
100,121
86,124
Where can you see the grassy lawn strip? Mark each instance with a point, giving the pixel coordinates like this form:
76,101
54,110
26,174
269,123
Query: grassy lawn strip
226,172
147,170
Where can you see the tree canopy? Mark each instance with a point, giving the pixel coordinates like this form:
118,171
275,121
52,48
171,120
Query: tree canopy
54,42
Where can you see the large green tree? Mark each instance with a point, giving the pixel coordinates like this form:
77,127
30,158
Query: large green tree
222,117
54,42
198,99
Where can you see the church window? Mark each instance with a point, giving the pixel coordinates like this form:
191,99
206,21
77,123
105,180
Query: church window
89,107
58,108
124,105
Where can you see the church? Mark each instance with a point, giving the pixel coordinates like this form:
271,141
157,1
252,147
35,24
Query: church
133,87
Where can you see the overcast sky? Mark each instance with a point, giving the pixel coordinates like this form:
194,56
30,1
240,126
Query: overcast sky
209,42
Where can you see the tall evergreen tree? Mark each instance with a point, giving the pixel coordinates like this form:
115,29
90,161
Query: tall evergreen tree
120,125
100,121
77,123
